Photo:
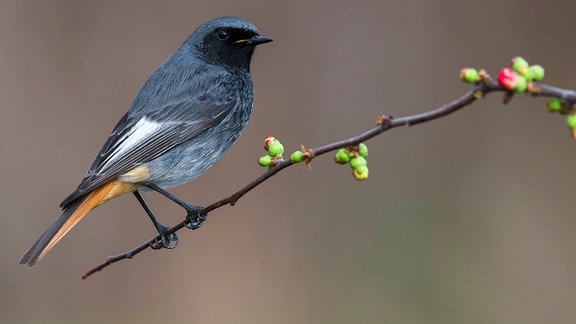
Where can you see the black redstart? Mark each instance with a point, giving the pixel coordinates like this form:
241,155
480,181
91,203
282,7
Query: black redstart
187,114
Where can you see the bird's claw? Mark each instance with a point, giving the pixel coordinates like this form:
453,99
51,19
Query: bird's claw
195,218
165,240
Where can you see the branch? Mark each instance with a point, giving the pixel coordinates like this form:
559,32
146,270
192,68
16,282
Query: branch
384,123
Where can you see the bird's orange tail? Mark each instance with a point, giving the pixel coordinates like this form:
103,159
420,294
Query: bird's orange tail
72,215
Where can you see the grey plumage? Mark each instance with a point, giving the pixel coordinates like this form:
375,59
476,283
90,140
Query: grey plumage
202,98
184,118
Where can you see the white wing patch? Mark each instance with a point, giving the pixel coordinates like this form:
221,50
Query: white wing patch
142,130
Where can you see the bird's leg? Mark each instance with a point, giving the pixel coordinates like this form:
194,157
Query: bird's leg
194,216
166,240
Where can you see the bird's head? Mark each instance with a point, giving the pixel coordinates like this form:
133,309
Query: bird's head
226,41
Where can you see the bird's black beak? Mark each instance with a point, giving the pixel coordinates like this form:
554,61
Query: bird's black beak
256,40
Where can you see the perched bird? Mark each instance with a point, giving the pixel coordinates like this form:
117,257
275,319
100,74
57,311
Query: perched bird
184,118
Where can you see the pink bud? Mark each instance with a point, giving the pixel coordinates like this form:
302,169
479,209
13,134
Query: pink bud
507,78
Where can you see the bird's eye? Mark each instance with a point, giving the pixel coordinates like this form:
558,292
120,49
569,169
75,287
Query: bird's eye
222,35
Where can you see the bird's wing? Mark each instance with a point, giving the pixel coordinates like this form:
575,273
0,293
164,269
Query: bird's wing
142,137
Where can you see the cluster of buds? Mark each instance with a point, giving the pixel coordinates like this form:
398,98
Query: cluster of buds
356,157
520,75
275,150
516,78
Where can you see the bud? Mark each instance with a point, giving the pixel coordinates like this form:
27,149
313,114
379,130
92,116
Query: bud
363,150
360,173
469,75
554,105
536,72
520,65
521,84
510,80
275,149
297,156
268,140
571,121
341,156
265,161
273,146
507,78
358,162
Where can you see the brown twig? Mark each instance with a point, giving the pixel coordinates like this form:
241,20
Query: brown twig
384,123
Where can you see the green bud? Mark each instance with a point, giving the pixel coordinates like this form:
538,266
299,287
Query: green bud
571,121
341,156
554,105
357,162
536,72
363,150
521,84
469,75
360,173
520,65
297,156
275,148
265,161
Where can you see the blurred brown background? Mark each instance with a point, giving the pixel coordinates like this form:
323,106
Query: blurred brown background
468,219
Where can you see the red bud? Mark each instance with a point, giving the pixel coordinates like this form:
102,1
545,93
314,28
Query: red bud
507,78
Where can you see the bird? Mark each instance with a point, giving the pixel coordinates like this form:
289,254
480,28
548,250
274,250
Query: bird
188,113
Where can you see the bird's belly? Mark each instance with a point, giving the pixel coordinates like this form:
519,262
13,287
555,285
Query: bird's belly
190,159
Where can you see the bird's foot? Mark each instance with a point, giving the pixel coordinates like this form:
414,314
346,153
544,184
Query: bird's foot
195,218
165,240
